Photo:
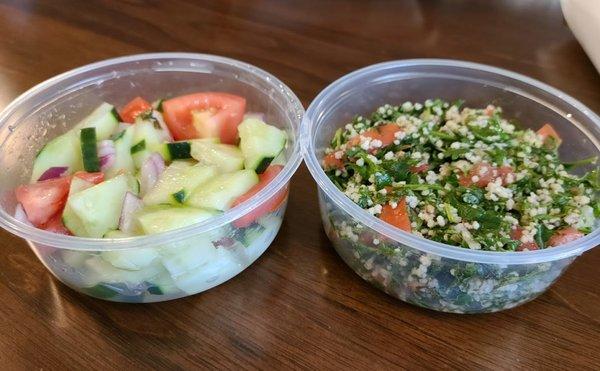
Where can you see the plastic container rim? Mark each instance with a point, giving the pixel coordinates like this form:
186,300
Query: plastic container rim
325,185
36,235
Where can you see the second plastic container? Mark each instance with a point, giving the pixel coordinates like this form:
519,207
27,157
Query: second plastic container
423,272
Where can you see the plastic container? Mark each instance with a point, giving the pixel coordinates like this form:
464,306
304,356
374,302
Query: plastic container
423,272
188,260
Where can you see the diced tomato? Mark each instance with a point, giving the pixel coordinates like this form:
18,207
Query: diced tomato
529,246
367,236
564,236
485,173
43,200
95,178
269,206
548,131
133,109
419,169
489,110
331,162
55,225
217,115
516,234
507,174
397,217
385,133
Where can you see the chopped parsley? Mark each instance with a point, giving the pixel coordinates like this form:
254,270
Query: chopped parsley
469,176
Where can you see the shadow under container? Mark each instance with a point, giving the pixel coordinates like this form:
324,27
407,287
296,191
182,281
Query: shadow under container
416,270
172,264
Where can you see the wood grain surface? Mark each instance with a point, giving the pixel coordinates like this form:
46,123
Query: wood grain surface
299,305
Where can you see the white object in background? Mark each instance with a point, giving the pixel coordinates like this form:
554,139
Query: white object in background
583,17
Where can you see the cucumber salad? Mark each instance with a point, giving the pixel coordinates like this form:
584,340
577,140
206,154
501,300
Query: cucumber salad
467,177
150,168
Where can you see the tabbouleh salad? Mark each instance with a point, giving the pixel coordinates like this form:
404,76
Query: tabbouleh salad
463,176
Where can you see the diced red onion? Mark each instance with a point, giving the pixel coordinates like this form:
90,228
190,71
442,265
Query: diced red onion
21,215
54,172
107,161
131,204
255,115
151,169
225,242
107,154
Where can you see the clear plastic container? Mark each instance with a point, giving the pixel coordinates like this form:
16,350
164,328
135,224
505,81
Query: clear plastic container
423,272
176,263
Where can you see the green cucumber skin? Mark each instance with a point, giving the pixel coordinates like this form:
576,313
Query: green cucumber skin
264,164
180,196
101,291
139,146
118,135
155,290
89,151
159,105
179,150
115,113
40,151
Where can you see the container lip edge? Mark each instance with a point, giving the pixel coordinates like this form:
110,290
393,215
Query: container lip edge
36,235
571,249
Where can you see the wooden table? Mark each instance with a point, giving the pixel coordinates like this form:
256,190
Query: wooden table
299,305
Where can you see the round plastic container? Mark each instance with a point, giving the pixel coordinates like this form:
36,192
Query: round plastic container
416,270
176,263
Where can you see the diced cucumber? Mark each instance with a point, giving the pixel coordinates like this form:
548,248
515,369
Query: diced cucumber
162,284
89,150
164,218
220,192
133,184
78,185
139,146
96,210
177,181
260,143
175,151
222,264
72,222
155,118
198,279
133,259
75,259
63,150
99,270
123,160
180,150
104,119
146,138
246,236
102,291
226,157
180,258
271,221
